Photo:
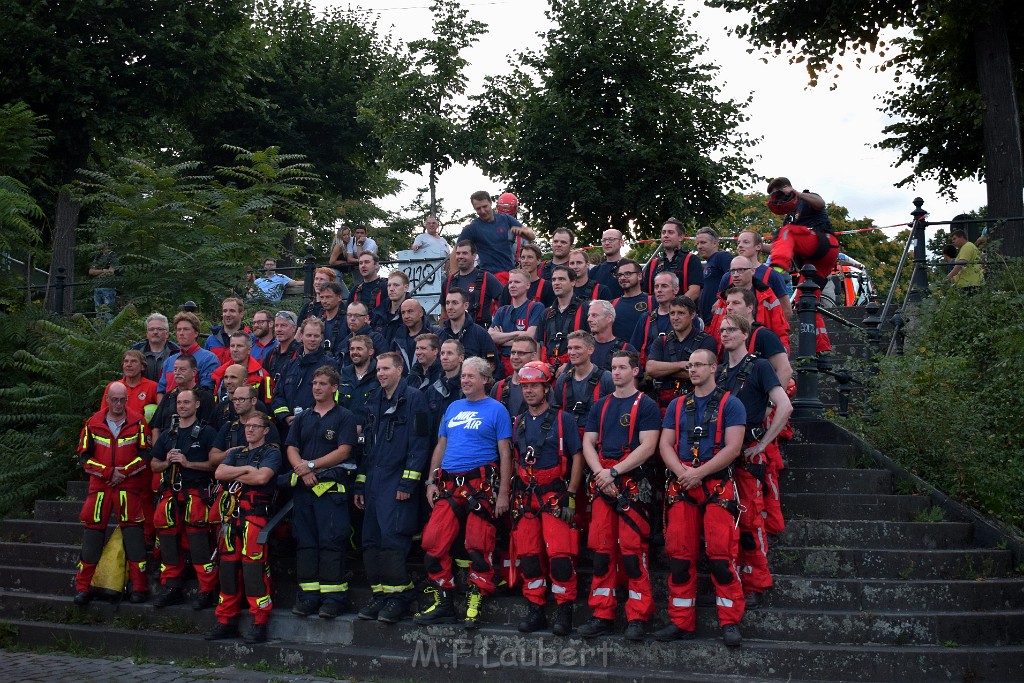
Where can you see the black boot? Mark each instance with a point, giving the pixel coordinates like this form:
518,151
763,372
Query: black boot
563,620
440,611
221,631
372,611
535,619
172,596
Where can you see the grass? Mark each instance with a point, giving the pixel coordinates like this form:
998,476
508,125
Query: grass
175,625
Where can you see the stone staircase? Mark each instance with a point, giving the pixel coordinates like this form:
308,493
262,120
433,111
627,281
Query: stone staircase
874,582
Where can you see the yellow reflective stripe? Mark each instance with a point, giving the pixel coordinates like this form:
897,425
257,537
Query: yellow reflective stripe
263,602
411,474
136,460
103,440
396,589
463,564
311,586
123,504
360,478
127,439
92,462
376,588
283,410
333,587
97,508
85,439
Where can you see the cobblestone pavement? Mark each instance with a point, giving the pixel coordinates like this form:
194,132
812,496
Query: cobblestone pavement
29,667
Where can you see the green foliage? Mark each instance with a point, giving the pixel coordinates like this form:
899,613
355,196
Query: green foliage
183,236
951,410
615,122
54,371
419,112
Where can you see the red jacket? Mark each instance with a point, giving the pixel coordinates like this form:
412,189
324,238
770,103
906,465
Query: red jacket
768,312
101,452
258,378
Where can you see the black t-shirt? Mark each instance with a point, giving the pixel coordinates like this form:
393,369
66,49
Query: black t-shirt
760,380
526,433
315,436
614,429
195,442
266,455
169,406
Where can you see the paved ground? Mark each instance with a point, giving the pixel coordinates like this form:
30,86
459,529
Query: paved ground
29,667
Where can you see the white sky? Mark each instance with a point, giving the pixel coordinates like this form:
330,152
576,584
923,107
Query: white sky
820,139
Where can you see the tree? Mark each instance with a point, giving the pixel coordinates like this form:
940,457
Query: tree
309,74
108,74
615,122
183,236
421,114
958,72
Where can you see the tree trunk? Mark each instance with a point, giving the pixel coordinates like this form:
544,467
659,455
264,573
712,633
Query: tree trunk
1004,165
433,190
65,225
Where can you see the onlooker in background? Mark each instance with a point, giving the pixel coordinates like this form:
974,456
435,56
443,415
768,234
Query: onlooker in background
360,244
103,266
949,253
430,241
966,273
338,259
271,286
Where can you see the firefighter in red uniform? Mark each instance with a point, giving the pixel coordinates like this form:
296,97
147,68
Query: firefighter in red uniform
566,315
466,492
806,236
113,449
183,513
622,434
247,476
548,465
702,435
669,357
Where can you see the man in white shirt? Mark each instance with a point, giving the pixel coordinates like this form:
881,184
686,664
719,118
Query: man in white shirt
430,242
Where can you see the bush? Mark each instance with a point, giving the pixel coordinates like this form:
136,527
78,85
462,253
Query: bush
55,370
952,409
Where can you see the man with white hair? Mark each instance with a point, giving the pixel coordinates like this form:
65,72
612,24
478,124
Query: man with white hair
601,318
467,494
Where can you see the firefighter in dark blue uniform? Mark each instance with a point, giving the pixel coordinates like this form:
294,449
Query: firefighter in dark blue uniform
396,451
319,441
293,394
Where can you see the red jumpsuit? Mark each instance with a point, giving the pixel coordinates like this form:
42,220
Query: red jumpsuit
710,510
540,538
101,452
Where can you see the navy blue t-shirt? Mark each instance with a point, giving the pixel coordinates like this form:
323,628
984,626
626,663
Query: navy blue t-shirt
613,433
731,415
661,325
577,397
315,436
760,380
547,454
495,243
602,356
604,272
509,319
716,266
766,342
670,350
629,310
266,455
473,430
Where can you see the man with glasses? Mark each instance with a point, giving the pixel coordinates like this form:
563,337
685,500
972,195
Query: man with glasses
113,449
768,311
507,391
634,304
247,477
604,272
246,404
753,381
157,349
263,341
701,436
358,321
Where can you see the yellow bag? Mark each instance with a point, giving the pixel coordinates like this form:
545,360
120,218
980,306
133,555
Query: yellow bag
112,569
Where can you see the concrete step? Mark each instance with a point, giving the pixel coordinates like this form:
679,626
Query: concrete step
797,479
856,506
819,455
873,563
876,534
57,510
879,595
39,554
513,656
77,489
42,531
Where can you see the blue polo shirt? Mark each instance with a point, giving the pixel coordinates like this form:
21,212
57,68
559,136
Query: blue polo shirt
495,243
731,415
614,429
315,436
545,446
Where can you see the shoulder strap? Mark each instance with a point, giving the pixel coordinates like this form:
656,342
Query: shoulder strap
538,294
753,337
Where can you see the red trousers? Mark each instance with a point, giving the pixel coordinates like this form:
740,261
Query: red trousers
686,523
753,555
545,546
614,541
182,521
441,531
128,504
771,497
798,242
244,565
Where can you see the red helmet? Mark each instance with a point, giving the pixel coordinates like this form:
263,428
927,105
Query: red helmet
508,204
781,203
535,372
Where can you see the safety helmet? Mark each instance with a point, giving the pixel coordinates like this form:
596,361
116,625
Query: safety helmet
781,203
535,372
508,204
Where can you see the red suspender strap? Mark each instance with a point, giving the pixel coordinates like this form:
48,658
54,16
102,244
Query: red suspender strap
540,290
679,410
767,275
632,418
653,266
579,312
718,427
753,336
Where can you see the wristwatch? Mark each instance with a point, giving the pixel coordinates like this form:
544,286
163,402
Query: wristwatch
311,465
613,472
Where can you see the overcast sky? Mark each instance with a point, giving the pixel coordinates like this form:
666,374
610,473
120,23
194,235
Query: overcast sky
820,139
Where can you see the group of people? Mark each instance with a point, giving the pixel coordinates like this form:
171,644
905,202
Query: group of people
555,406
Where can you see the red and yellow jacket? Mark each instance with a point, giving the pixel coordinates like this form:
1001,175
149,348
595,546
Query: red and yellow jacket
101,452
